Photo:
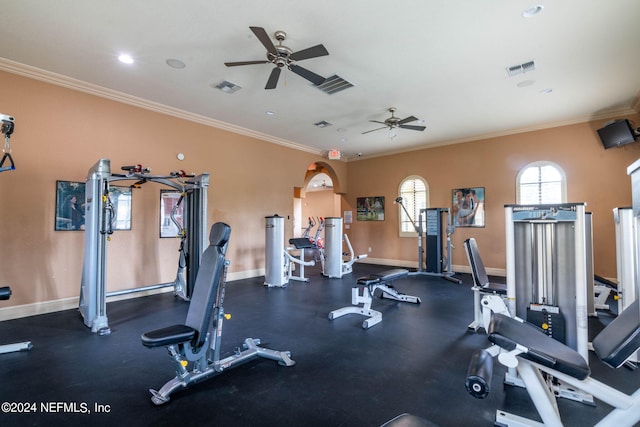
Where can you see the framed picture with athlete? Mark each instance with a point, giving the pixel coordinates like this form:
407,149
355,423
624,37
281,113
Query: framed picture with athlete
468,207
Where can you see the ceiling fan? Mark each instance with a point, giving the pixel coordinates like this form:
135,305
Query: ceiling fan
281,56
393,122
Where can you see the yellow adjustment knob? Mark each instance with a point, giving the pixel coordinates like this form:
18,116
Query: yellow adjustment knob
184,363
616,297
545,326
227,316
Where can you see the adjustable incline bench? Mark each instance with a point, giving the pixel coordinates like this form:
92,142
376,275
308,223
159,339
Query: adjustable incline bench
195,346
382,281
533,353
487,296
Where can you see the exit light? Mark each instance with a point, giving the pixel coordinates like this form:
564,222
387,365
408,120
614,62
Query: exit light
334,155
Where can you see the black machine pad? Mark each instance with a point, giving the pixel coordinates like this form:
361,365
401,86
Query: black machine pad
301,243
166,336
507,332
615,343
383,276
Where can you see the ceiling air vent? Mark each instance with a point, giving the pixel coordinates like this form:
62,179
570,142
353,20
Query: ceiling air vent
521,68
334,84
323,124
227,87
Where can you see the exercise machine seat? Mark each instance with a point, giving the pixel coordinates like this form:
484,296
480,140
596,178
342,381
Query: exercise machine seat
5,293
506,332
621,338
479,273
204,293
302,243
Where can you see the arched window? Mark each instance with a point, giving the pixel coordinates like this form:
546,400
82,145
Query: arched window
541,183
414,191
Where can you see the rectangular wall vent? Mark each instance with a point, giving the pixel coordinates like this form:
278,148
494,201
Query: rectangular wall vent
521,68
227,87
334,84
323,124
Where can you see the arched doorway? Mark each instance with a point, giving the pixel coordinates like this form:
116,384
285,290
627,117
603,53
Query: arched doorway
317,198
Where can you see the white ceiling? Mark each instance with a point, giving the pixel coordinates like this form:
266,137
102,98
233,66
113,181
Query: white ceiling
442,61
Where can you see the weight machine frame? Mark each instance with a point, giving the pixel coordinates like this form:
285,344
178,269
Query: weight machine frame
444,262
98,217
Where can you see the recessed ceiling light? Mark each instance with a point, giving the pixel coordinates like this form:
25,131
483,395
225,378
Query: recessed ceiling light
546,91
175,63
343,139
270,113
125,59
532,11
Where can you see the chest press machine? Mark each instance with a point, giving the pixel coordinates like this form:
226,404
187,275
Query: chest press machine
383,282
194,346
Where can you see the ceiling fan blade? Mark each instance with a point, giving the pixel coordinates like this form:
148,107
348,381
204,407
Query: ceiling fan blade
262,35
314,78
312,52
235,64
373,130
273,78
412,127
376,121
407,120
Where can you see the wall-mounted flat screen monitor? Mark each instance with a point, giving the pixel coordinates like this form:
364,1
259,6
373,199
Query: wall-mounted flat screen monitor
616,134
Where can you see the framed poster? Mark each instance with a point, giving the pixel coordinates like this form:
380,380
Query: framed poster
370,208
70,208
468,207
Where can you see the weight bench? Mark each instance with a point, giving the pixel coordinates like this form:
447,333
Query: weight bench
5,294
194,346
487,296
534,354
382,281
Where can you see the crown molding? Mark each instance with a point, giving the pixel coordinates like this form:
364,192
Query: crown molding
113,95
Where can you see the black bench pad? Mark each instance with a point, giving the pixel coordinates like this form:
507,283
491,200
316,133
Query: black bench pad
621,338
175,334
301,243
507,332
383,276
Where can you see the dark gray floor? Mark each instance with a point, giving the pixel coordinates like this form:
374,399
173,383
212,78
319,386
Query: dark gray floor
414,361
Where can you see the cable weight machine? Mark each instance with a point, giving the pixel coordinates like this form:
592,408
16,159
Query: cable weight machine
99,215
436,221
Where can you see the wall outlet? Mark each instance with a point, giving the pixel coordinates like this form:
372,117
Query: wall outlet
369,249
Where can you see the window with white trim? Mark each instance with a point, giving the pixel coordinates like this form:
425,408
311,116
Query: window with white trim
414,191
541,183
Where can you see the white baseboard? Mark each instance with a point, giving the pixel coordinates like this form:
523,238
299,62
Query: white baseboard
26,310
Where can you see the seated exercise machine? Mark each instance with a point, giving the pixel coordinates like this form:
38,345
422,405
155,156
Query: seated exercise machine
194,346
5,293
382,281
333,265
487,296
537,357
279,262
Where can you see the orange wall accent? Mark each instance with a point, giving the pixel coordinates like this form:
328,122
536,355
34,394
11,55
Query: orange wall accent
594,175
60,133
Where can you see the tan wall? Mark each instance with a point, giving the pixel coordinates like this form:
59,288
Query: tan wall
60,133
594,175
